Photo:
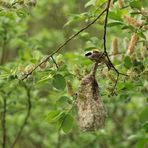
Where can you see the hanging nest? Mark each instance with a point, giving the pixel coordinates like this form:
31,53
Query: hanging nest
91,110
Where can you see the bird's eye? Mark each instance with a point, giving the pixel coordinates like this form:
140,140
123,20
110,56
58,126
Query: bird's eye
88,54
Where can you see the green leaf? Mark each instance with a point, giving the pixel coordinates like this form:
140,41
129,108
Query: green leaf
141,143
127,62
112,24
124,97
5,69
52,115
67,123
3,76
129,85
144,115
60,121
114,1
128,27
136,4
44,79
90,3
120,86
115,15
145,126
59,82
135,137
75,18
89,48
144,3
94,40
62,100
141,34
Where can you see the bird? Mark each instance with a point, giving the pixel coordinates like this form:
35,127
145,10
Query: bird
98,57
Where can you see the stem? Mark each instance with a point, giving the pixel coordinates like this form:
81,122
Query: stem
105,49
54,62
26,118
3,53
105,25
4,122
59,139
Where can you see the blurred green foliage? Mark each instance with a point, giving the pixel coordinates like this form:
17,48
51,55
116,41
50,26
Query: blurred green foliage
30,30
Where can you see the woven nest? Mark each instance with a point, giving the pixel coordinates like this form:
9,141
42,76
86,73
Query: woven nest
91,110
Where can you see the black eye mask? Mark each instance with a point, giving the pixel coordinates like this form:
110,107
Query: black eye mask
88,54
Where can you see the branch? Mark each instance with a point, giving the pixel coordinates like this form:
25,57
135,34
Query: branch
4,117
26,118
105,49
105,25
65,43
104,36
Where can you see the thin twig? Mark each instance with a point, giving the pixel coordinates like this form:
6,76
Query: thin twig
104,36
113,92
4,117
125,7
54,62
105,49
116,54
26,118
65,43
59,139
105,24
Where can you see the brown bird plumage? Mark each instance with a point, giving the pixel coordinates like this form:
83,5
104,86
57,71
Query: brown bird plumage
98,57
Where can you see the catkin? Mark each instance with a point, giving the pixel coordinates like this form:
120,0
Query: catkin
145,27
111,3
126,42
43,65
120,3
132,21
69,88
114,50
29,68
21,68
132,44
115,46
143,51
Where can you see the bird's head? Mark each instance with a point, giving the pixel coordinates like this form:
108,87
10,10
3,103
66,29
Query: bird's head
90,54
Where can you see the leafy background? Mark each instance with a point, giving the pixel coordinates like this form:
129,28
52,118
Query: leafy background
43,104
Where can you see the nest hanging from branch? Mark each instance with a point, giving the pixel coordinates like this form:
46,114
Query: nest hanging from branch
91,110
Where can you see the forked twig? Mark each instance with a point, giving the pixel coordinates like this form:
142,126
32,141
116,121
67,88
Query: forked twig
54,62
65,43
105,49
